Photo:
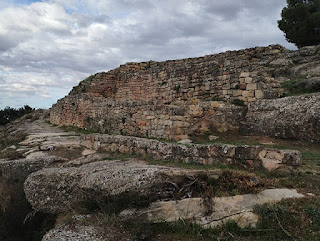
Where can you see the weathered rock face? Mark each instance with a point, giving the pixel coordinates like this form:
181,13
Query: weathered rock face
295,117
18,170
56,190
214,212
78,232
173,98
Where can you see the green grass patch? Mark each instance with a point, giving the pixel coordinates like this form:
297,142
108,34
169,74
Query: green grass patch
7,141
292,219
292,87
76,130
310,155
181,230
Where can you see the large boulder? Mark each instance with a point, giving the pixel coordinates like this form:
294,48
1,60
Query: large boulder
74,232
19,169
296,117
56,190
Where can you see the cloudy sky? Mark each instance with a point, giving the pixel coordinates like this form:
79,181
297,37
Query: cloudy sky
48,46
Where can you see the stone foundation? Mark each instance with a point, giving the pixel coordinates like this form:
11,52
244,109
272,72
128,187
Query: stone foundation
256,157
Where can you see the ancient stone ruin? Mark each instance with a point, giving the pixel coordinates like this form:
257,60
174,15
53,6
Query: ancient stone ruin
139,146
237,91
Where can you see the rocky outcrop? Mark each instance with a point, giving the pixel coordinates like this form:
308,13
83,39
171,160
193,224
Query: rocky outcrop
213,211
257,157
31,153
173,98
56,190
296,117
77,231
71,171
18,170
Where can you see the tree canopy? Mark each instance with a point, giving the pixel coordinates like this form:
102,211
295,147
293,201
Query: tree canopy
301,22
9,114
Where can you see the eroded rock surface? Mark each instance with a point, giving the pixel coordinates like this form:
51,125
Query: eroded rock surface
59,189
296,117
20,169
212,212
78,232
36,141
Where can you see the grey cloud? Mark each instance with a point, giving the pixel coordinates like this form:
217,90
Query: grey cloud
51,52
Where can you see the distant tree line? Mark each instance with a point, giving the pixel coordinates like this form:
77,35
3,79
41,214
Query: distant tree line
9,114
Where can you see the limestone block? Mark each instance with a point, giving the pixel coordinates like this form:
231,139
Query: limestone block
251,99
252,86
215,104
114,147
259,94
242,86
178,124
237,208
160,132
274,159
237,93
244,74
178,131
226,87
167,122
248,80
248,93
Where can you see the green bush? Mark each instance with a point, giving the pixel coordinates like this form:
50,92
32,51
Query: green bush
238,102
9,114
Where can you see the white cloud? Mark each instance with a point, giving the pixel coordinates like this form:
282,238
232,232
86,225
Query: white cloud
47,47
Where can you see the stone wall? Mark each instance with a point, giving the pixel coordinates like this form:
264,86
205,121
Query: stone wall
234,74
146,118
256,157
176,98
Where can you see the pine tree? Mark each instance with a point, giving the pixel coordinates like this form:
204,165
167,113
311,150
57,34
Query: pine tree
301,22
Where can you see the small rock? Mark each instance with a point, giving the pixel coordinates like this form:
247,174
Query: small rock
255,180
212,138
310,194
46,148
185,141
87,152
181,137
